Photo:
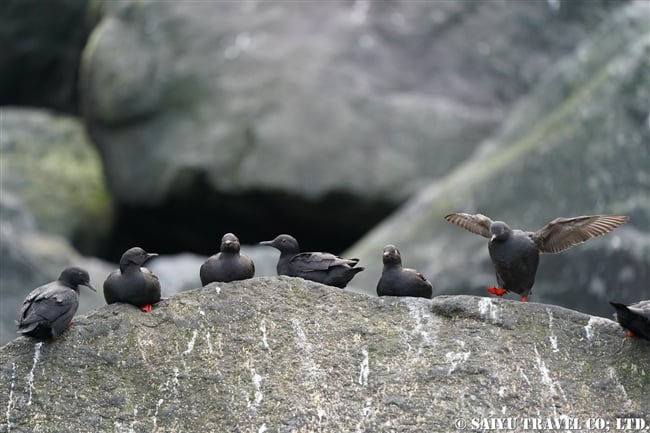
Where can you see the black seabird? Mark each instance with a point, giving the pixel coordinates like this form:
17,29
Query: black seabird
48,310
228,265
323,268
131,283
634,318
515,253
398,281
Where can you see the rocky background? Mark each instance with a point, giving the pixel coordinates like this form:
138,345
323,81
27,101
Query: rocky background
349,124
280,354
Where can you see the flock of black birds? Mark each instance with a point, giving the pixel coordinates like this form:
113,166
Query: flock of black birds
48,310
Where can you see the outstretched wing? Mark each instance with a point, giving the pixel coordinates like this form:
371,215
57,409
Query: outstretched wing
564,233
476,223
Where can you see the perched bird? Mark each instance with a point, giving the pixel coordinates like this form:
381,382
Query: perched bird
131,283
515,253
228,265
48,310
398,281
634,318
323,268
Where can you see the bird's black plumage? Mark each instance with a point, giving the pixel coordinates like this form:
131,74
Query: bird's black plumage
515,253
635,318
48,310
396,280
323,268
228,265
132,283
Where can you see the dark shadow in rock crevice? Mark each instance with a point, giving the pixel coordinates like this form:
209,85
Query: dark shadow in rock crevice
196,219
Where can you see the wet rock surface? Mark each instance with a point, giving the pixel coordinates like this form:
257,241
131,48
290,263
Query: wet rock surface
283,354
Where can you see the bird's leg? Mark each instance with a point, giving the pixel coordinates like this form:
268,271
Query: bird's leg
496,291
629,333
146,308
524,299
69,325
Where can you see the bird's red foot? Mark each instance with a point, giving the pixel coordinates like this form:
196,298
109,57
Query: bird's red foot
496,291
69,325
146,308
629,334
524,299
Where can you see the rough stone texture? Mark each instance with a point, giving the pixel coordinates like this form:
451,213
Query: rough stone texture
283,354
49,165
577,145
52,191
254,96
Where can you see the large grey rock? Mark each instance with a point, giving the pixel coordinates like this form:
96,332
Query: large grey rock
369,99
578,144
52,193
52,169
286,355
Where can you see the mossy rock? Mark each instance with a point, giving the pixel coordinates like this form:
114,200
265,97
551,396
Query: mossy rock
50,166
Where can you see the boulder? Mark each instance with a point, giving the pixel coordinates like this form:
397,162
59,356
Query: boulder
302,108
52,169
577,145
284,354
52,195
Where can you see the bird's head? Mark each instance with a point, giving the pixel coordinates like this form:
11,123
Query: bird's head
230,243
499,231
391,255
135,256
74,277
284,243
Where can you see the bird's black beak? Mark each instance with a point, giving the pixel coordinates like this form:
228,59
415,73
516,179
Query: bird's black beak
268,243
150,255
90,286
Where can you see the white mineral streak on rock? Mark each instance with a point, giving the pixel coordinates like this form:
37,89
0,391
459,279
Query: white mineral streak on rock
553,386
256,379
419,312
365,368
10,401
302,343
155,414
366,415
619,385
552,337
455,358
589,327
190,344
265,343
30,376
487,309
209,343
